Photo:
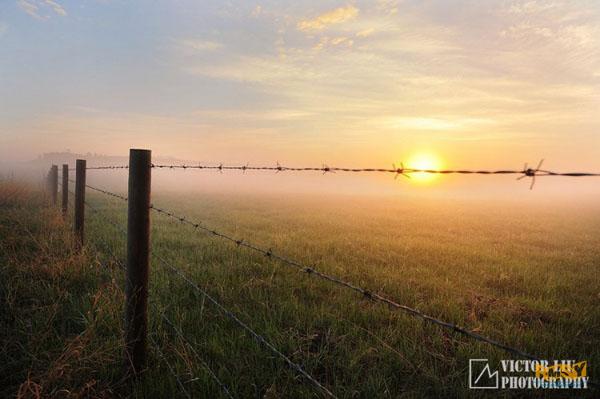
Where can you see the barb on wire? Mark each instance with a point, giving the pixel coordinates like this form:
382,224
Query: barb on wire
259,338
400,171
397,171
529,172
333,279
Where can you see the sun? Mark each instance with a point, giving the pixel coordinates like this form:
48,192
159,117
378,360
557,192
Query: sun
424,161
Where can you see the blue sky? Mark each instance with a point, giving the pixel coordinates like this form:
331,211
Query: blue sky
354,82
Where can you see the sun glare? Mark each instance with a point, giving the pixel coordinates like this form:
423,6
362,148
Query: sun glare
424,161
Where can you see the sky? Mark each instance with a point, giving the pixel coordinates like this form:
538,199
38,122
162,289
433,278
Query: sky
348,83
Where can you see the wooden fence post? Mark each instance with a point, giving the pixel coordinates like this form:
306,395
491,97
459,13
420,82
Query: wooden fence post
54,183
48,175
138,259
79,199
65,190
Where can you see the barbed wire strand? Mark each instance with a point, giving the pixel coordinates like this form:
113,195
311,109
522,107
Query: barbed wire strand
327,169
397,171
121,197
526,171
102,167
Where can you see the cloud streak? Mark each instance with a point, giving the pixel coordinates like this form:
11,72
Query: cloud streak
30,8
337,16
34,8
57,8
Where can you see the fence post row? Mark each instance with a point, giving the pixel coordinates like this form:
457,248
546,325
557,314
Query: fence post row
80,165
138,258
65,190
138,244
54,183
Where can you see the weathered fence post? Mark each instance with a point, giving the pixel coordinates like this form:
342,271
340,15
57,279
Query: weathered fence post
48,175
138,258
79,199
65,189
54,183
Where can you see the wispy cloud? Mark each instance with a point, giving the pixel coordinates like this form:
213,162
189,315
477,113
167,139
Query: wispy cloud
326,41
34,8
332,17
3,29
30,8
388,6
365,32
56,7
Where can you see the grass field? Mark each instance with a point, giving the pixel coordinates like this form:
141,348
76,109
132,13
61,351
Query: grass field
524,274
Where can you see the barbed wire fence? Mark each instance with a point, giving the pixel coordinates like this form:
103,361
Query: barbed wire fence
267,252
230,315
395,170
106,247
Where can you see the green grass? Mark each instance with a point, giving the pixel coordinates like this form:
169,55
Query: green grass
524,275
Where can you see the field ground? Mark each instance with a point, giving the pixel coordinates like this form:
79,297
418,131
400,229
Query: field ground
527,276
